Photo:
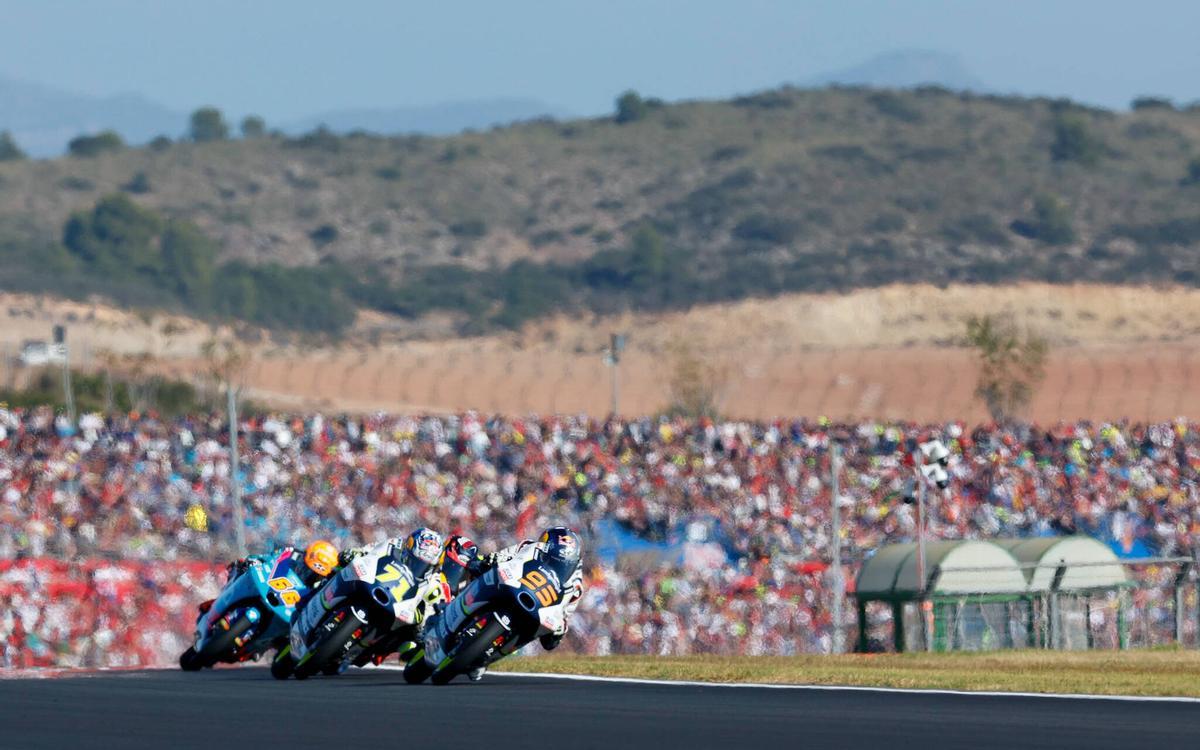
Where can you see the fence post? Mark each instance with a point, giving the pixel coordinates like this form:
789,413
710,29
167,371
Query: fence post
862,628
1181,577
1122,623
1055,606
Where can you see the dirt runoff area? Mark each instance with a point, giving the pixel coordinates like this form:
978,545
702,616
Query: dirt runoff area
892,353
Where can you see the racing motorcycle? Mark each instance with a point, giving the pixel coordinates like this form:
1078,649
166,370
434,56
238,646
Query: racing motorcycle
497,614
249,616
374,606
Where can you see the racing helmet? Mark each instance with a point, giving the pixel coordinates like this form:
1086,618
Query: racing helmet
320,559
458,553
421,551
561,544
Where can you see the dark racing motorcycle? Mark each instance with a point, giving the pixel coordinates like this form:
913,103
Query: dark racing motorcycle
494,616
372,607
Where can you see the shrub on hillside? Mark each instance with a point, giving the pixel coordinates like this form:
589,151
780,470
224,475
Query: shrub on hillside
1050,224
1073,141
208,124
761,227
9,150
105,141
1152,102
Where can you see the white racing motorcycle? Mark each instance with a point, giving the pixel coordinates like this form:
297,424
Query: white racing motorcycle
373,606
503,610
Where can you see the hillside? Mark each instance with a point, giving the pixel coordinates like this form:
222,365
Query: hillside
680,204
888,352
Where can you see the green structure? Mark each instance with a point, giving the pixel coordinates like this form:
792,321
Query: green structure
987,595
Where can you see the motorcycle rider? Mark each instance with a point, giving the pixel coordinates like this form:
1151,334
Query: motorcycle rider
460,557
558,546
419,551
320,561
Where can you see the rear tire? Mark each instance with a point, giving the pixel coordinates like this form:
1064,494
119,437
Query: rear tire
221,646
332,645
469,653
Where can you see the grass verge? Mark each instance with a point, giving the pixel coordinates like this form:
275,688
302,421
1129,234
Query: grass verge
1150,673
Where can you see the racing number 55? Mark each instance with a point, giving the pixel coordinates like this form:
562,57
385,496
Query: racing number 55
542,588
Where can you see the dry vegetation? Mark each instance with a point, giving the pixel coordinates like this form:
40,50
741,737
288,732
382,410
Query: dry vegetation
1144,673
890,352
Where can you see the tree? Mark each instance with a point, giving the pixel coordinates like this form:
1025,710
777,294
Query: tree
1074,142
1012,363
208,124
1052,221
631,108
189,259
1193,172
253,126
647,257
9,150
116,238
93,145
694,382
1151,102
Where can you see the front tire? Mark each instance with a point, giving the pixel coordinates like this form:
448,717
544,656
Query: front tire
416,670
468,654
189,662
282,665
331,646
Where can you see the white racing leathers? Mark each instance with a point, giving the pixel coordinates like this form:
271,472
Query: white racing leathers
377,591
531,594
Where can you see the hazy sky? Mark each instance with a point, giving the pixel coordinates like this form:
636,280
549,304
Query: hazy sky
287,59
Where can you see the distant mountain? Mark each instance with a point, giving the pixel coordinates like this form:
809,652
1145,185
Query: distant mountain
437,119
43,119
904,69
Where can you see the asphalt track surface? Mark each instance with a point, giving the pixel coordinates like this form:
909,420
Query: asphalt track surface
245,708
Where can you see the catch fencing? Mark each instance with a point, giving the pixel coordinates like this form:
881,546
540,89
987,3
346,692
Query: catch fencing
1158,606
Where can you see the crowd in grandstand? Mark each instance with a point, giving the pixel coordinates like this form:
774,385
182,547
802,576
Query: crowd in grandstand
734,516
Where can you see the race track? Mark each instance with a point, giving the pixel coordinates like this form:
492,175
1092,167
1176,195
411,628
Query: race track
244,708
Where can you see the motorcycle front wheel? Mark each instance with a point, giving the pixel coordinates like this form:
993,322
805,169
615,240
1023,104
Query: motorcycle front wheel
334,644
468,654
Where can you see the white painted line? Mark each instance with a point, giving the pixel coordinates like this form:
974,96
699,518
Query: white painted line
844,688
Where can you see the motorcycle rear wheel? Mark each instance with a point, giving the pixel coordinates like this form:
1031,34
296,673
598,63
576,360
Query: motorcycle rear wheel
221,646
468,654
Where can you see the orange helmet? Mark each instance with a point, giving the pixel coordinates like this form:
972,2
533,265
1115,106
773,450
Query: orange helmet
321,557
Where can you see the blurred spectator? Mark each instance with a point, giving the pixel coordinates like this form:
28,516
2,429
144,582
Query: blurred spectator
730,518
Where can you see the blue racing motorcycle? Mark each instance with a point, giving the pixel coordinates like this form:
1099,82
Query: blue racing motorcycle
250,615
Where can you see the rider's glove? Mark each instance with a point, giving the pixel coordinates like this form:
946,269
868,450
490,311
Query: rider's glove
479,565
550,641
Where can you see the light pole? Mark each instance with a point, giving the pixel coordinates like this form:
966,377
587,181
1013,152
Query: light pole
60,340
929,465
839,588
616,345
235,486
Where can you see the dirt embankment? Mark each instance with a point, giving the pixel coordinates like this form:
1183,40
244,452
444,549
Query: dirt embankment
890,352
